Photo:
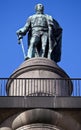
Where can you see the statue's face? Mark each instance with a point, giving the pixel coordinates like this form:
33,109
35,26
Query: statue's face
39,8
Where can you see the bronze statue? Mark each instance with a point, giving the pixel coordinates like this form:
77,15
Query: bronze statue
44,35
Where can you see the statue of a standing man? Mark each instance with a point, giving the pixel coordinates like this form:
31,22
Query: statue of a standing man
44,35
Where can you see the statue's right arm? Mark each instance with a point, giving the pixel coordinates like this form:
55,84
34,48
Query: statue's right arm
22,31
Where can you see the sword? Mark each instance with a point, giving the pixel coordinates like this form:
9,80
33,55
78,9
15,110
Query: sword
22,46
20,41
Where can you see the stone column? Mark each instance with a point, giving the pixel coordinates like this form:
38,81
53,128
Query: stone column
5,128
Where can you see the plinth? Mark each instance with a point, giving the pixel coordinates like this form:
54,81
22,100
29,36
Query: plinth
39,77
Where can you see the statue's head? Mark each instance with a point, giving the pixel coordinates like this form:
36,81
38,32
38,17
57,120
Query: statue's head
39,8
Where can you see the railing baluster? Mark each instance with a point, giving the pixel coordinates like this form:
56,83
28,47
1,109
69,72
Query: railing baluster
25,87
28,87
34,87
0,88
5,88
78,85
40,85
31,87
49,88
16,86
22,87
12,89
73,87
38,88
54,87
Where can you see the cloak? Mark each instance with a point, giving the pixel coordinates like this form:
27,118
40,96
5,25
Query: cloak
55,38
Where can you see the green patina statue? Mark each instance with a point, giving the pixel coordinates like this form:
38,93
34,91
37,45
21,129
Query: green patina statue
44,35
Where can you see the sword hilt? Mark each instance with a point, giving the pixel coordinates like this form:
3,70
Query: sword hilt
19,36
19,39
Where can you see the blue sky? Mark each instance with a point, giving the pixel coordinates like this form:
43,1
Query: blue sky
13,15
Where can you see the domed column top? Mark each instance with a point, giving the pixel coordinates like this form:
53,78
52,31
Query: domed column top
39,76
44,118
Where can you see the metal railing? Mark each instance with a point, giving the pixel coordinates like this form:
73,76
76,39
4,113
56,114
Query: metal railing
40,87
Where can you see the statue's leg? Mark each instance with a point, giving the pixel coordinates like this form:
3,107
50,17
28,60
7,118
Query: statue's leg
36,46
51,47
49,51
44,43
32,48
